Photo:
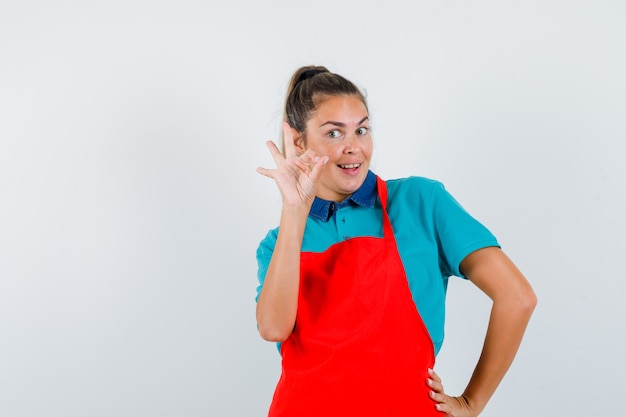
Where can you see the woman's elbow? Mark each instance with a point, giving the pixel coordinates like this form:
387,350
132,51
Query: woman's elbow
273,333
527,301
274,325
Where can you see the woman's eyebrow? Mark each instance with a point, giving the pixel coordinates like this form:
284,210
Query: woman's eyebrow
340,124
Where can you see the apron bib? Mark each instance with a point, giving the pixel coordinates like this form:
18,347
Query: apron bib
359,346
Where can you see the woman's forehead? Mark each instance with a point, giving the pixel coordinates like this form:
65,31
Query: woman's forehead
343,109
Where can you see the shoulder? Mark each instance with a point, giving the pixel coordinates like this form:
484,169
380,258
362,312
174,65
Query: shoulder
413,188
412,184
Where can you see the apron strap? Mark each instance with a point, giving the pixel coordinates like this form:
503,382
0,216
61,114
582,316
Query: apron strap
382,195
382,192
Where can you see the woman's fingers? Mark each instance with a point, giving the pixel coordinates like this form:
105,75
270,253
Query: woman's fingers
434,382
454,407
434,375
303,164
266,172
296,175
276,155
318,167
437,394
306,161
450,406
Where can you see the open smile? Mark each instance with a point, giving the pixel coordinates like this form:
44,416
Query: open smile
349,166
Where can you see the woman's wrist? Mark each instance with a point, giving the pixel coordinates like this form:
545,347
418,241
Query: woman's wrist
300,210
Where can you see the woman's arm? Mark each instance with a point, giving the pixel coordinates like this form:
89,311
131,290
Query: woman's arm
278,300
296,177
513,303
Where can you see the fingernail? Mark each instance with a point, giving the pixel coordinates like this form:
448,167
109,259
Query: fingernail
429,381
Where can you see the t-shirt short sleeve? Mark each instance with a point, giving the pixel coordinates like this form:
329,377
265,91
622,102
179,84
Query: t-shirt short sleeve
263,256
458,233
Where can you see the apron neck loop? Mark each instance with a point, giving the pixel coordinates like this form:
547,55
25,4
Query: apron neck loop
382,192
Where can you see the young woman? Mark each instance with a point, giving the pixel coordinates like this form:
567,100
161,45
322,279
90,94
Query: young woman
353,281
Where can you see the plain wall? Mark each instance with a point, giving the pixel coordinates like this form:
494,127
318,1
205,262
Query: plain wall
130,209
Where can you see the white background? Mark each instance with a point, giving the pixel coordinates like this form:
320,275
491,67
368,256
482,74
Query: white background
130,209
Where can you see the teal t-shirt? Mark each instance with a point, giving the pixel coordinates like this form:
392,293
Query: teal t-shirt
432,231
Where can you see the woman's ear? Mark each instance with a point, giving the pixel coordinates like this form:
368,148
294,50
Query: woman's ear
292,141
298,141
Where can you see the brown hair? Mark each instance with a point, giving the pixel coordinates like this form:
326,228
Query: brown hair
310,84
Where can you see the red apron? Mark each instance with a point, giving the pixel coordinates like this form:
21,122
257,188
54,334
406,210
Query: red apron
359,346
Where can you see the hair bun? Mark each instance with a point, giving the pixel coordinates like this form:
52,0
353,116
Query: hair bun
309,74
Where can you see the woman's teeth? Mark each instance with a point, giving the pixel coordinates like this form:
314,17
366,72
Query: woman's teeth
349,166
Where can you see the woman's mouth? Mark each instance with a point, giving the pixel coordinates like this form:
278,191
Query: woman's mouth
349,166
350,169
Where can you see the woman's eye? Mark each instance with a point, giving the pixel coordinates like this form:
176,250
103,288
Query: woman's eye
362,131
334,134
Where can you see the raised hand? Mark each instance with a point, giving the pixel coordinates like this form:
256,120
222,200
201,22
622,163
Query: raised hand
296,175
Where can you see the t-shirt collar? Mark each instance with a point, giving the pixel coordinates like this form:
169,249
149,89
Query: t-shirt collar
365,196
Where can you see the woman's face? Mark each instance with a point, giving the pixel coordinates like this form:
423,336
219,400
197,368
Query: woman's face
339,129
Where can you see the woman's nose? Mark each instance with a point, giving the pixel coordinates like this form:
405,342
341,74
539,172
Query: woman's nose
351,144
